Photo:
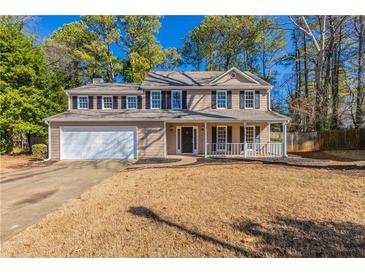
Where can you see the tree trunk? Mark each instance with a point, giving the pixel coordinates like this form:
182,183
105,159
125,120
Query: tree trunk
335,80
26,142
360,93
306,90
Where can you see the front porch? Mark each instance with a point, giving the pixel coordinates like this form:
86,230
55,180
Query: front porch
224,139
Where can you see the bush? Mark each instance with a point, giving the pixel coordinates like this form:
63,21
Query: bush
275,139
17,151
39,151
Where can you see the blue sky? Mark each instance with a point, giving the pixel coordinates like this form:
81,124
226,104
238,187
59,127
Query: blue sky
173,30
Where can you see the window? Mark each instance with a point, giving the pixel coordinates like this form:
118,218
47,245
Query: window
131,102
176,99
221,137
249,99
221,99
83,102
107,102
195,139
250,137
155,99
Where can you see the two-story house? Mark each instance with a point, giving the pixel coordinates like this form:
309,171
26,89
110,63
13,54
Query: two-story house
208,113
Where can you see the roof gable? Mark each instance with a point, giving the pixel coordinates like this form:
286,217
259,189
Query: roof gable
233,76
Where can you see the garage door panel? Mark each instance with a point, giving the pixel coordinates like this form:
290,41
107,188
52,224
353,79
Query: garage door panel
79,143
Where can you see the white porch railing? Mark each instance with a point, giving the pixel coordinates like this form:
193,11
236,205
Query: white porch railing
244,150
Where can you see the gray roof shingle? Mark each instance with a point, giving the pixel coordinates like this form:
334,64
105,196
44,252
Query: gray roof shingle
107,88
189,78
168,115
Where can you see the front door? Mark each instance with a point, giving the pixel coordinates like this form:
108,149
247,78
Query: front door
187,139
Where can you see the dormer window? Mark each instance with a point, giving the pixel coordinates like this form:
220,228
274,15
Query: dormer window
221,99
82,102
131,102
107,102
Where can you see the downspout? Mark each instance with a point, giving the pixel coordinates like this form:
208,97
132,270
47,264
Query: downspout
49,140
68,100
269,99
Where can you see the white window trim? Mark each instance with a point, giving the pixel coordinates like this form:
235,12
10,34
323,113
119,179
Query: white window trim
78,101
178,136
253,104
159,91
102,102
225,103
172,98
130,96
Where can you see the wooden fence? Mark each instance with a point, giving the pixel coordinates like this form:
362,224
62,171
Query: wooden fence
324,140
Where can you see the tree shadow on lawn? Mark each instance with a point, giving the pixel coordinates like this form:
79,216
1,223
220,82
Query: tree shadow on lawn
300,163
286,237
283,237
144,212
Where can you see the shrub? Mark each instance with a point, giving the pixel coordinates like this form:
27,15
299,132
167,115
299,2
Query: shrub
17,151
275,139
39,151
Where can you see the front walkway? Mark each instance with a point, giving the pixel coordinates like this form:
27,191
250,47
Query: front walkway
29,195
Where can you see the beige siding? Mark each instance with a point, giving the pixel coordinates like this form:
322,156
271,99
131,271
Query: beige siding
171,136
200,100
228,80
264,131
150,137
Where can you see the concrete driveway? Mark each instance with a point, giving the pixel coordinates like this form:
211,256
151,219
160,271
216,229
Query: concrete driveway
29,195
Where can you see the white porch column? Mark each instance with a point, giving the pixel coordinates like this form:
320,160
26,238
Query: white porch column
205,140
244,138
284,141
165,140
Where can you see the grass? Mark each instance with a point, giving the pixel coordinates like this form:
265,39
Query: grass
226,210
11,163
336,155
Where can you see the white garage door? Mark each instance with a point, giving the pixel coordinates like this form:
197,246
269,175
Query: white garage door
94,143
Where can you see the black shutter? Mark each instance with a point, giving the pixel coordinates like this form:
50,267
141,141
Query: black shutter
257,99
214,135
184,100
148,99
257,134
229,99
229,134
139,102
163,99
242,99
74,102
242,134
168,99
214,99
91,106
98,102
124,102
115,102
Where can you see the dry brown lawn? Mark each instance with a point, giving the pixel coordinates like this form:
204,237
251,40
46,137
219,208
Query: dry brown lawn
11,163
226,210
